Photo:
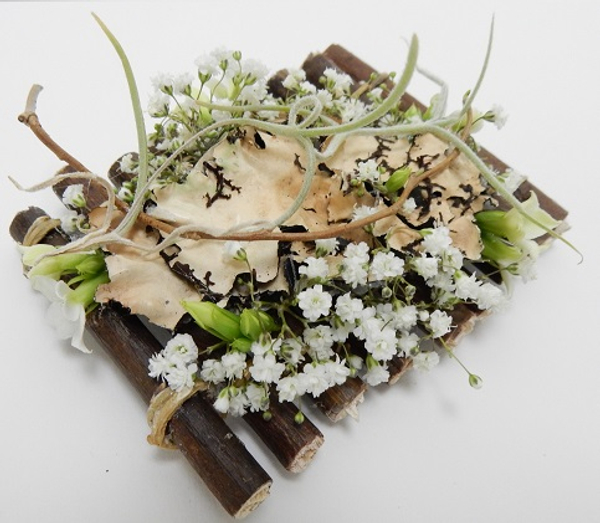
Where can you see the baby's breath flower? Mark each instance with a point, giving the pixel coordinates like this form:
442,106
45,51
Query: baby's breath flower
382,344
73,196
425,361
436,241
426,266
439,323
291,387
386,265
234,364
266,368
376,372
314,268
326,246
314,302
362,211
320,341
212,371
409,205
234,250
337,83
347,308
367,171
294,78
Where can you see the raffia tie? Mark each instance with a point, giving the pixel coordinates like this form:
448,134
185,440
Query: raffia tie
164,404
39,229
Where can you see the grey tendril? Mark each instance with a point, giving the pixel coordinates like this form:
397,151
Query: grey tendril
311,110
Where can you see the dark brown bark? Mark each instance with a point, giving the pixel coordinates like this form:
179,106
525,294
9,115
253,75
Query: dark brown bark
220,458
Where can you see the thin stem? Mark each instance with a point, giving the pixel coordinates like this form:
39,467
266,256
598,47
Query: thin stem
30,118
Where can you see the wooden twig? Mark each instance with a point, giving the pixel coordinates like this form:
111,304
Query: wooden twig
30,118
229,471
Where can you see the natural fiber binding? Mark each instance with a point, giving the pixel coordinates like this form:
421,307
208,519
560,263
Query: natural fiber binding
164,404
39,229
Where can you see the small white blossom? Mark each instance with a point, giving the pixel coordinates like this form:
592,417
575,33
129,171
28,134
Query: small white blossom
408,342
351,109
158,104
425,361
376,374
266,368
294,78
221,404
437,241
234,364
386,265
499,116
127,164
181,348
338,83
490,296
257,398
290,388
314,268
72,222
354,273
362,211
382,344
314,302
326,246
233,250
348,308
367,171
73,196
337,371
320,341
405,317
212,371
315,380
426,266
291,351
466,287
409,206
439,323
181,377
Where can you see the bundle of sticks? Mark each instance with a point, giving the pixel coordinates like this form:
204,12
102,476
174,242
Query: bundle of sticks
232,474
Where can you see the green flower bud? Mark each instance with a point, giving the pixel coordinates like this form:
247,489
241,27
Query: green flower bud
220,322
497,249
475,381
397,180
253,323
299,417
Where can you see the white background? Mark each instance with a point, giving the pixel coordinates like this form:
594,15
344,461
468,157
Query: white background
526,447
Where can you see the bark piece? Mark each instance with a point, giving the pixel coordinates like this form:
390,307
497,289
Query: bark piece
230,472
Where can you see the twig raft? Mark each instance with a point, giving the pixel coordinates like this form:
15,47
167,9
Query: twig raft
229,471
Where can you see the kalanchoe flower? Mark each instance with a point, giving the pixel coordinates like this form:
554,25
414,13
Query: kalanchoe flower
65,315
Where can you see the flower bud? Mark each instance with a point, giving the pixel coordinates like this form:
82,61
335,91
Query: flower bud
218,321
253,323
475,381
397,180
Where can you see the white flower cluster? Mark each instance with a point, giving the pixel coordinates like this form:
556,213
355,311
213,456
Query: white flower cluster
335,96
440,264
359,310
176,363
